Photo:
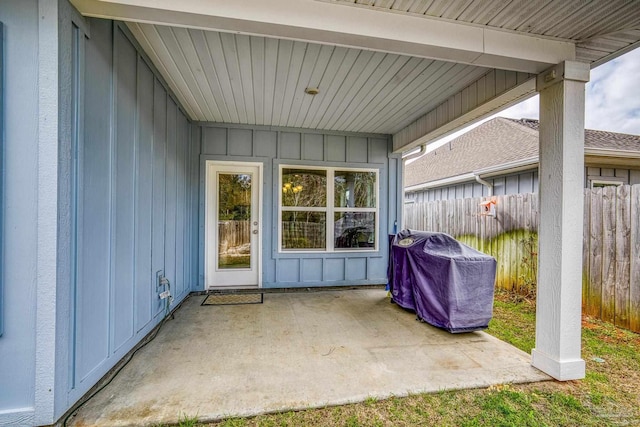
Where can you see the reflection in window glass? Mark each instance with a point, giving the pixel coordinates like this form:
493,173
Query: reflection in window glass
234,221
304,187
234,197
354,230
355,189
304,230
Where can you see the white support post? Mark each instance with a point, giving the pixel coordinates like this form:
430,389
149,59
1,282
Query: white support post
559,300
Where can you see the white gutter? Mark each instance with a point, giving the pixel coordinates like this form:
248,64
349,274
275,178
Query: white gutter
606,152
506,168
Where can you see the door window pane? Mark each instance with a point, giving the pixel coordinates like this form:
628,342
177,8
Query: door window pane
354,230
304,230
355,189
304,187
234,221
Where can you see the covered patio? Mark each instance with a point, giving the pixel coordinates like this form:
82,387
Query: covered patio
297,350
146,114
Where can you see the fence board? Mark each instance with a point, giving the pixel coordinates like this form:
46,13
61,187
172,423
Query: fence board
594,304
623,256
609,253
634,279
482,228
500,221
520,236
586,250
514,242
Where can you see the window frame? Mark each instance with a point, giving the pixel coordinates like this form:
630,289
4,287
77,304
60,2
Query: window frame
601,183
329,209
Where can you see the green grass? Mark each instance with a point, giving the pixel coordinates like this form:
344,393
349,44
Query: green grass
608,396
514,321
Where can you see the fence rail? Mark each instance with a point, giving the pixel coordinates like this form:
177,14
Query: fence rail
611,244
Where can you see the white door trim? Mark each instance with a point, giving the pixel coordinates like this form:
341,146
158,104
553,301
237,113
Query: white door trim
210,237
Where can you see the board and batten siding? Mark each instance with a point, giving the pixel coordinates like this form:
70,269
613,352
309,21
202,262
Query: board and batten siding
624,176
135,190
282,146
18,269
517,183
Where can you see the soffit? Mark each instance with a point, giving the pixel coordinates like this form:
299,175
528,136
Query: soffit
235,78
372,60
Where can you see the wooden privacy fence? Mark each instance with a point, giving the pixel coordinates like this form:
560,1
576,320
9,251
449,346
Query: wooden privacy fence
233,234
611,244
298,234
302,234
611,257
510,236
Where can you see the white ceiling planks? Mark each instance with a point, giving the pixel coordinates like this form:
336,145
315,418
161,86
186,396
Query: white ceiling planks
234,78
458,75
230,77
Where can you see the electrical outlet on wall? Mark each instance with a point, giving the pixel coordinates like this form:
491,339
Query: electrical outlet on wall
159,277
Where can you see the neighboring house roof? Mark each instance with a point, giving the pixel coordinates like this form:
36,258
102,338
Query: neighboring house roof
502,143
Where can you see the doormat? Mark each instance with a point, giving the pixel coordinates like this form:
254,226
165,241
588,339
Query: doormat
233,299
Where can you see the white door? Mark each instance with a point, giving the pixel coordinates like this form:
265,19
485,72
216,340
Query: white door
233,225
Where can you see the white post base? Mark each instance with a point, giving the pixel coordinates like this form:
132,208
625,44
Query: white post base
562,370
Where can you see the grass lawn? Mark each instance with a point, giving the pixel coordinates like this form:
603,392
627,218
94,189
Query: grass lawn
609,395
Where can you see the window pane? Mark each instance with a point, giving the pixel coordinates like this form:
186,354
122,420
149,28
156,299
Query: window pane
355,189
304,187
234,221
304,230
234,196
355,230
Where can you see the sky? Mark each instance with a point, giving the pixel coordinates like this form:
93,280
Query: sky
612,100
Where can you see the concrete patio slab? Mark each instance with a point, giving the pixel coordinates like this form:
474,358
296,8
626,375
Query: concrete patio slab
297,350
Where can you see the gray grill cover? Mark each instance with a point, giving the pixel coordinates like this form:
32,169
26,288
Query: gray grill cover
448,284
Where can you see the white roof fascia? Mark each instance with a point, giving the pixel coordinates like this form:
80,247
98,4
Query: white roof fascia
607,152
329,23
510,167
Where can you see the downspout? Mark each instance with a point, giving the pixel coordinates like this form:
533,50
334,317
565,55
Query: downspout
485,183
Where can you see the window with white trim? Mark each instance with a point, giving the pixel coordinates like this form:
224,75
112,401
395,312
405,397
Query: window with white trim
328,209
595,183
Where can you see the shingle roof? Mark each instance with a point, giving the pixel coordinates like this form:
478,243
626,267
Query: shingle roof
496,142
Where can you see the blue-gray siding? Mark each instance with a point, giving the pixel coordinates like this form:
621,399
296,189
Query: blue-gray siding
625,176
135,162
19,220
523,182
517,183
274,147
